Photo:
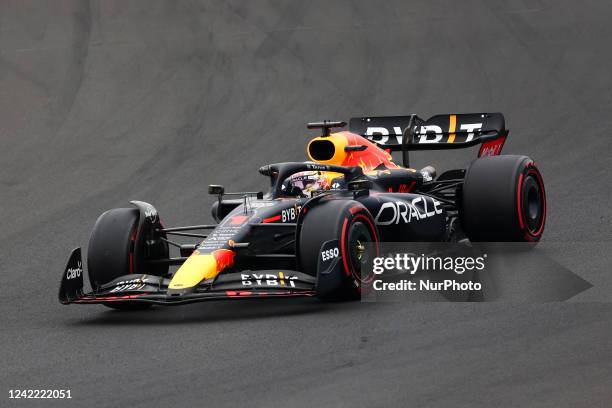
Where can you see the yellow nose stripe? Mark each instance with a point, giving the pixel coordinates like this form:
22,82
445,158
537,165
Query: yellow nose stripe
193,271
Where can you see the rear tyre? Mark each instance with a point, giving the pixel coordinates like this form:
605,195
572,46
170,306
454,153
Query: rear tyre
111,252
503,200
353,226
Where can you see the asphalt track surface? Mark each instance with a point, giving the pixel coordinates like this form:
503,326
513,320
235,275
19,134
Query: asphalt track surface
102,102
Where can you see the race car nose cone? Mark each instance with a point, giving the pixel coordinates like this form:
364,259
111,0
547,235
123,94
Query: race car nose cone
199,267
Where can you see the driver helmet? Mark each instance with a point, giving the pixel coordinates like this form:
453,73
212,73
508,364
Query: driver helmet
306,183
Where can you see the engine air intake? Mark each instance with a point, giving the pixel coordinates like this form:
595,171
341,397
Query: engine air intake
321,150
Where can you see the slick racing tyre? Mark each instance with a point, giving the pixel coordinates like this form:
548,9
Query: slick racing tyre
348,226
503,200
112,252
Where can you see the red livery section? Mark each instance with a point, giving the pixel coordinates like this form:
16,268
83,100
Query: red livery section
274,218
492,148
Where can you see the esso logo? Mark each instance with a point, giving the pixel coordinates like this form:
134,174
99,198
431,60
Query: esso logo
330,254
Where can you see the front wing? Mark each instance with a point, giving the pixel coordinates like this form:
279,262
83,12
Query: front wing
154,289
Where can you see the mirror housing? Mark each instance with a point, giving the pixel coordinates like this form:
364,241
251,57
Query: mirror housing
216,189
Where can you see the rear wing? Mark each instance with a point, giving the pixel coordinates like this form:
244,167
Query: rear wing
453,131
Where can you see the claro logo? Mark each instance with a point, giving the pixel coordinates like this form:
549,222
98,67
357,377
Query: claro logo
396,212
72,273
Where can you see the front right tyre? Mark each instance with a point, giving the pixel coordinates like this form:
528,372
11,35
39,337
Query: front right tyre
352,226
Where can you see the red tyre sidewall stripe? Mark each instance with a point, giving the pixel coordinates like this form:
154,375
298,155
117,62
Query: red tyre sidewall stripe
343,247
132,248
538,177
519,201
349,268
373,231
530,169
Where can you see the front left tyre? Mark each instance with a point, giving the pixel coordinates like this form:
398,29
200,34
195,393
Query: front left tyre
113,252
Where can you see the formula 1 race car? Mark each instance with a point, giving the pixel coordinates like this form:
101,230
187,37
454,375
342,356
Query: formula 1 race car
307,235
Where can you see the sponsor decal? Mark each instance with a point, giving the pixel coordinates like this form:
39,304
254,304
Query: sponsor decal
267,279
433,133
471,128
396,212
150,213
380,134
428,133
127,285
286,215
220,236
425,130
425,134
404,188
261,204
238,219
492,148
329,254
290,214
318,167
72,273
